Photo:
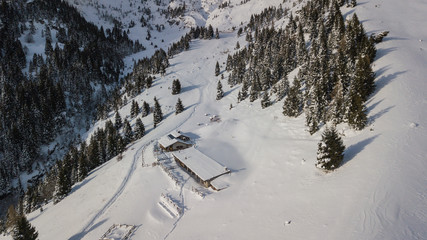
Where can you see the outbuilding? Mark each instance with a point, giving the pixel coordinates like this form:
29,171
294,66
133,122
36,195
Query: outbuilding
175,140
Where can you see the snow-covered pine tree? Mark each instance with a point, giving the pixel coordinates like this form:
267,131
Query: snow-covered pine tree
139,129
176,87
93,153
330,152
134,109
23,230
364,78
265,101
356,111
63,183
128,134
157,114
336,109
219,91
118,121
145,109
179,108
292,105
217,69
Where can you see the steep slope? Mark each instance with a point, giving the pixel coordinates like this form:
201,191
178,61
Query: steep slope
275,191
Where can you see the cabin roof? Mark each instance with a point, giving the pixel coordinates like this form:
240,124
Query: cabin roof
171,139
203,166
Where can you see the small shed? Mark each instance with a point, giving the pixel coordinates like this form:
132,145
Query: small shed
175,140
201,167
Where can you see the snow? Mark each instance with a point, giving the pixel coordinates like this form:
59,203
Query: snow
203,166
275,191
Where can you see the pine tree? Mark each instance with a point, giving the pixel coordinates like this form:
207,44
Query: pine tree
292,105
157,114
145,109
93,153
118,121
23,230
134,109
356,112
82,167
330,151
217,69
265,101
139,129
179,108
176,87
219,92
364,78
128,133
63,183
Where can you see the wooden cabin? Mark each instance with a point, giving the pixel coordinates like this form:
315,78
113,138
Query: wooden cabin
201,167
174,141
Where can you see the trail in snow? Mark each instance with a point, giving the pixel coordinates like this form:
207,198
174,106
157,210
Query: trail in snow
183,209
115,196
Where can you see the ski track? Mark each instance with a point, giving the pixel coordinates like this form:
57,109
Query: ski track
121,188
114,197
183,209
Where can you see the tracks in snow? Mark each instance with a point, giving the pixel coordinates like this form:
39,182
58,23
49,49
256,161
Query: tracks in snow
115,196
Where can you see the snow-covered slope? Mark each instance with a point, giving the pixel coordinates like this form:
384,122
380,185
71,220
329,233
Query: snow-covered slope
275,191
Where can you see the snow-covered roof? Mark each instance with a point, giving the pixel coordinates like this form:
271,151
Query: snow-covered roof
177,134
171,139
205,167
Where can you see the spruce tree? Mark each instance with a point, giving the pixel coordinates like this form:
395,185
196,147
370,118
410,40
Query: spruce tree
23,230
176,87
157,114
364,78
118,121
63,183
356,112
93,153
219,92
82,167
217,69
145,109
265,101
179,108
139,128
127,132
330,152
293,102
134,109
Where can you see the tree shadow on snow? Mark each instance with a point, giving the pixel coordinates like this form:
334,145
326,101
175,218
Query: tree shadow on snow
386,79
230,90
352,151
379,114
384,51
189,88
81,184
79,236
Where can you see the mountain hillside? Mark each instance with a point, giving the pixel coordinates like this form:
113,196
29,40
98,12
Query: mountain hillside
274,190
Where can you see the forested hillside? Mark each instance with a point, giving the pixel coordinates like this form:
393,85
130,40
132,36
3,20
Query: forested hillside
58,90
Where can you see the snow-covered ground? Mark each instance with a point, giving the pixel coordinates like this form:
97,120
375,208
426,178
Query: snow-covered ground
275,191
